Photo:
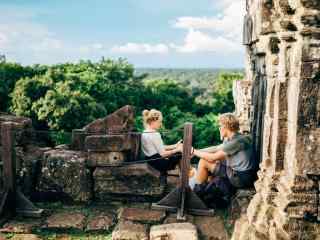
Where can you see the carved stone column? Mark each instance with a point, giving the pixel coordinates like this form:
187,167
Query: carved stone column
286,205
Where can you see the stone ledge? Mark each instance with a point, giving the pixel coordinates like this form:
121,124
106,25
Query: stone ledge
141,215
176,231
101,222
65,221
126,230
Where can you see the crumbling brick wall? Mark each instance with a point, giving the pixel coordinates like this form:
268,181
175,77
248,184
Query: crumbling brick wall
282,39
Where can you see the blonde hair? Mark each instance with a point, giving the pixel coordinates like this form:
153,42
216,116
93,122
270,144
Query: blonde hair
151,115
229,121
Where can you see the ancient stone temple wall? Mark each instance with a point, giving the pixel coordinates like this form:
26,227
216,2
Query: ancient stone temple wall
282,38
242,99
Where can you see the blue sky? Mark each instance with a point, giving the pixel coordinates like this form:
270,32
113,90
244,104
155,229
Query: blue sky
149,33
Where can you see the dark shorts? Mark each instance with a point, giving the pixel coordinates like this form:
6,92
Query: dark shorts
164,164
239,179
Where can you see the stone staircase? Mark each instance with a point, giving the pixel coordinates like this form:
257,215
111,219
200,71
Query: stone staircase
113,221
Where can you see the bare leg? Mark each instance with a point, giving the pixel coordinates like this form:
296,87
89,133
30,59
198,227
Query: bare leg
203,170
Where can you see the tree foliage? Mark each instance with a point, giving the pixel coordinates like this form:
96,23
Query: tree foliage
10,73
67,96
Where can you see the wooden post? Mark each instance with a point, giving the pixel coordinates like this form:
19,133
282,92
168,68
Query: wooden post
183,199
185,166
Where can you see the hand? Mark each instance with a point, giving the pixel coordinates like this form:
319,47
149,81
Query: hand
179,147
179,142
192,151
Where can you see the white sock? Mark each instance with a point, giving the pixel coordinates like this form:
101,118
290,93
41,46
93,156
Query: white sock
193,180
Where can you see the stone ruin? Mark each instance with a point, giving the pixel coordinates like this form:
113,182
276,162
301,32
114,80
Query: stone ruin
279,103
282,39
95,166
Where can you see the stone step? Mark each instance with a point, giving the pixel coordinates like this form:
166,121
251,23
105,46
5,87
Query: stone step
132,223
176,231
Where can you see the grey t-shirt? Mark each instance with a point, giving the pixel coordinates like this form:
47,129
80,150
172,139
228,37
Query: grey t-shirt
239,152
151,143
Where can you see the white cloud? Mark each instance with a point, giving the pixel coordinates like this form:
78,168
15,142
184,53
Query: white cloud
143,48
229,24
22,39
220,33
197,41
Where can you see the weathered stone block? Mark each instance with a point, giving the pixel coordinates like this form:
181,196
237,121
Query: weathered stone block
288,25
241,90
135,179
65,221
315,4
65,171
30,159
141,215
176,231
299,212
267,24
172,218
311,53
303,184
108,143
101,222
311,20
311,32
127,143
98,159
310,70
207,231
285,7
121,120
126,230
242,229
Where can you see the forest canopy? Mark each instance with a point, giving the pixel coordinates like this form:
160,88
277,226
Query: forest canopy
54,96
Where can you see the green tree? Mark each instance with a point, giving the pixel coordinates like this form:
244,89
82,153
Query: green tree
10,73
66,109
222,98
83,91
